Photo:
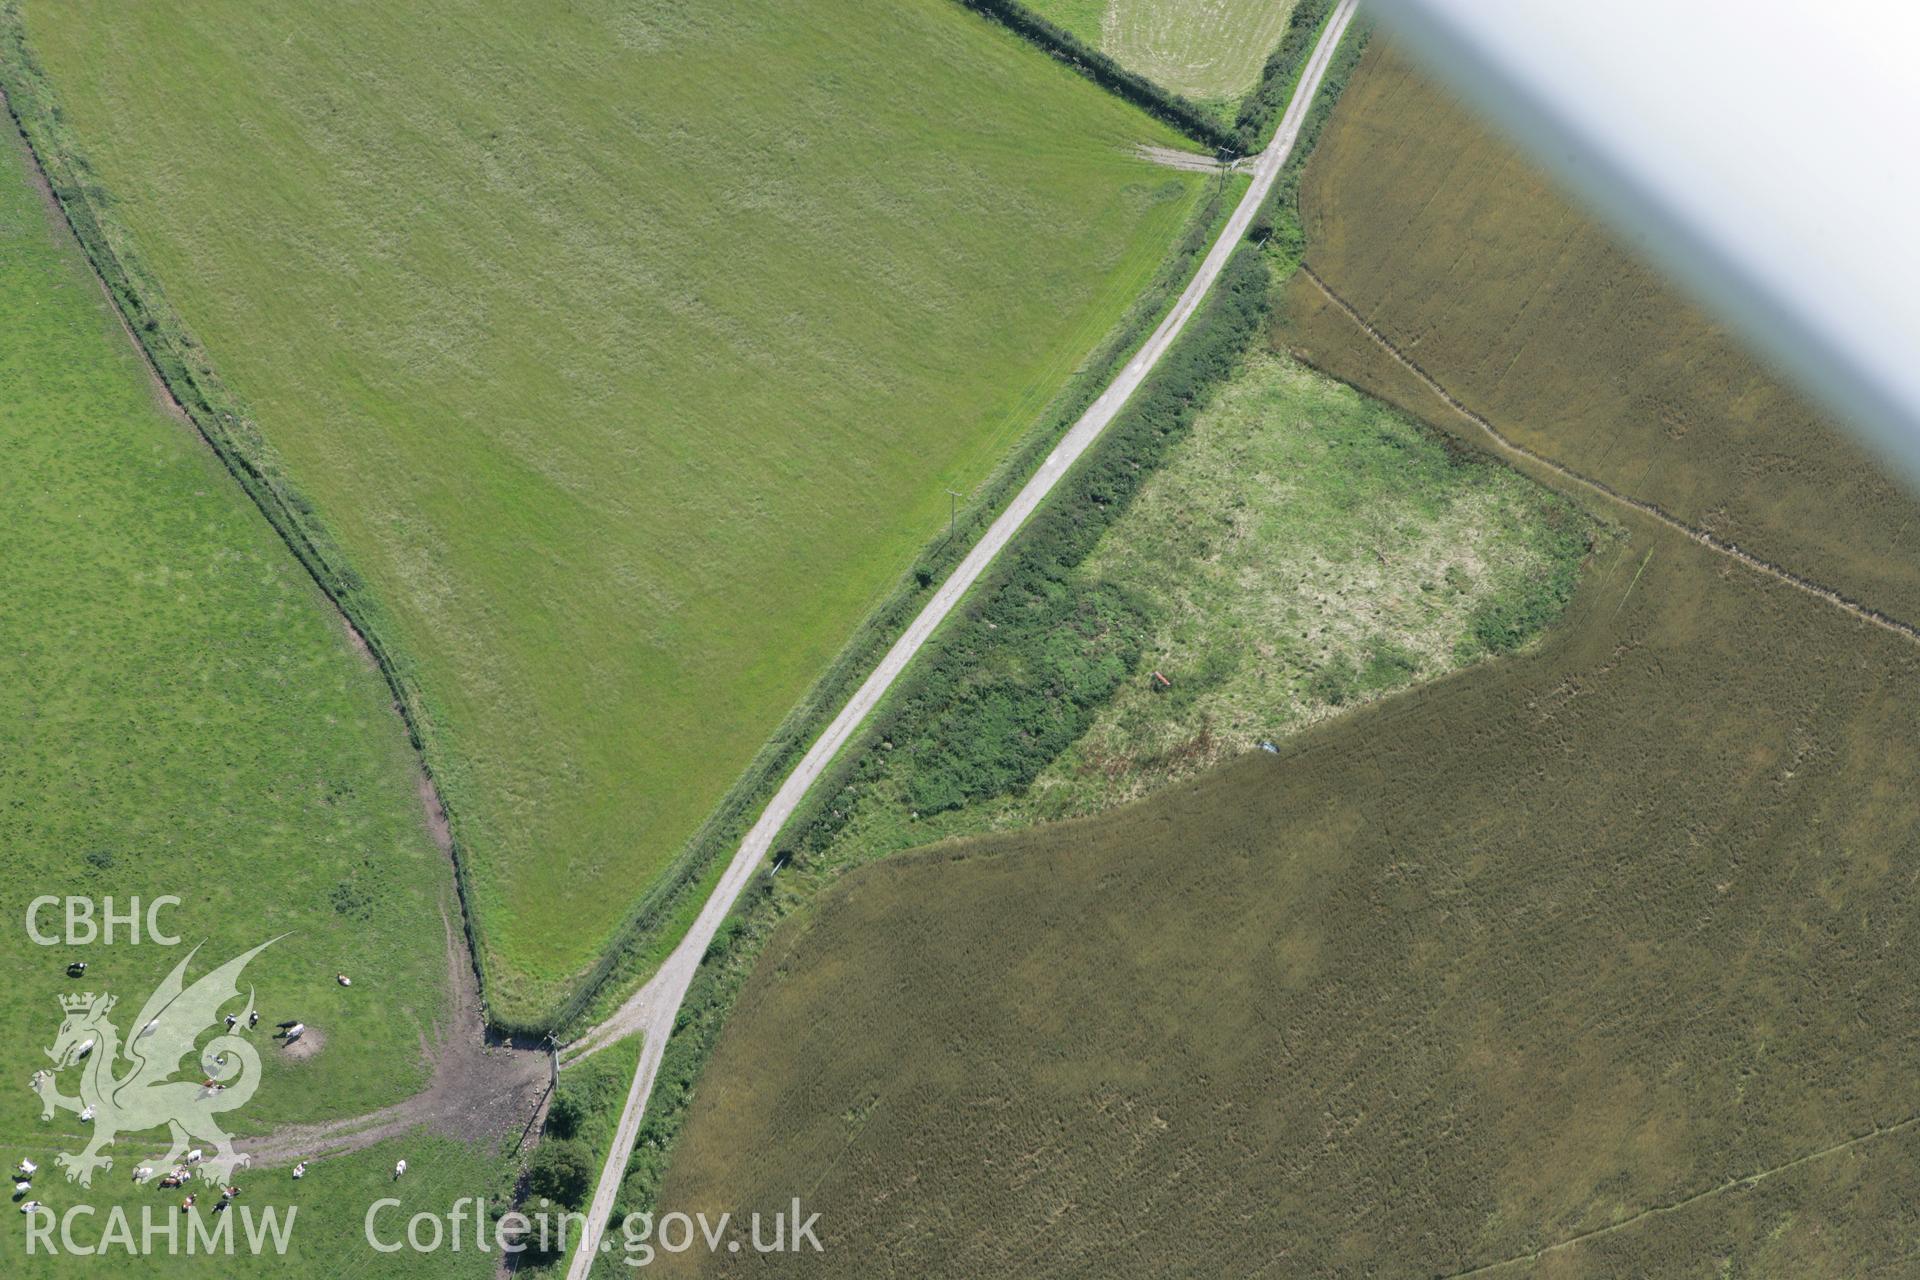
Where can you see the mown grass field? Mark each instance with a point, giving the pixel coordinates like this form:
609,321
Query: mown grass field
1620,923
181,713
1209,50
1465,256
627,352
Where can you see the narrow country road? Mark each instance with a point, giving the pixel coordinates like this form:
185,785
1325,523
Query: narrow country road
652,1009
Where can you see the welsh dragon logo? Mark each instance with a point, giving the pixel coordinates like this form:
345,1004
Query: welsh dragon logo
129,1087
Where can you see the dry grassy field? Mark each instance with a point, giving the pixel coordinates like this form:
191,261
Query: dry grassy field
1462,254
1505,960
1592,962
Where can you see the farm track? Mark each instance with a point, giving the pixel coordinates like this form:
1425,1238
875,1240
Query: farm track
652,1010
1512,449
1192,161
479,1082
1742,1183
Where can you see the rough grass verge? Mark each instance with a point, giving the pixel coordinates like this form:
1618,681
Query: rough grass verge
1278,221
1271,93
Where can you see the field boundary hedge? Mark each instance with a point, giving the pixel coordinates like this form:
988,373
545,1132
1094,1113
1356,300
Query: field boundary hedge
729,960
722,832
1259,108
1279,218
1270,94
184,368
1184,114
218,415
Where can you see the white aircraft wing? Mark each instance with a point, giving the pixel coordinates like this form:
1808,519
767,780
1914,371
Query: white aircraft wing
1767,154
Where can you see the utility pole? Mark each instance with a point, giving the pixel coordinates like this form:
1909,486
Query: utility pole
953,513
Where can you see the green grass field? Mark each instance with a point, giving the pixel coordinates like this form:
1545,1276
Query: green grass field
1209,50
1608,937
181,713
328,1210
627,352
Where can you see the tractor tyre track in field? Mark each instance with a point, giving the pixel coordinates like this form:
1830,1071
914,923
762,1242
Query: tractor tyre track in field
1742,1183
1512,449
651,1011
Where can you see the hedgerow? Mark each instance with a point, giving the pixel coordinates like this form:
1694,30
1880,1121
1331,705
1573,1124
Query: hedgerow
1018,674
627,956
1182,113
1279,218
1270,95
